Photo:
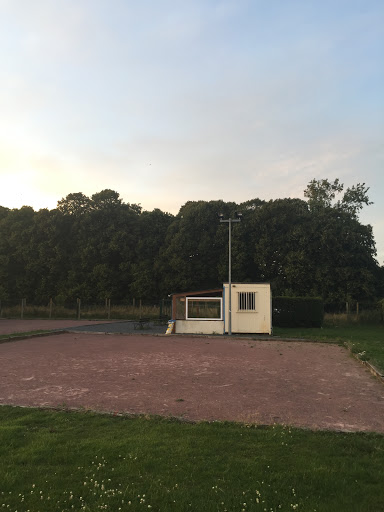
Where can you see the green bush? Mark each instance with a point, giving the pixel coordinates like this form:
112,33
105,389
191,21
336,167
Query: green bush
297,312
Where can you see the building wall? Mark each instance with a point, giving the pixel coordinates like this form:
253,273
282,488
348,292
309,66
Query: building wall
199,327
257,321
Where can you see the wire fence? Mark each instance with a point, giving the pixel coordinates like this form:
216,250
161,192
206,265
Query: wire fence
354,312
161,310
135,309
350,307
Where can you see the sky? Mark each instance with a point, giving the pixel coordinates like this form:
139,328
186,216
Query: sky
174,101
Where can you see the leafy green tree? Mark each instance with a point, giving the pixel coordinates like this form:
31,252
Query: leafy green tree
277,234
100,247
322,251
321,194
354,199
4,258
104,249
343,253
195,245
107,198
344,250
146,273
15,232
74,204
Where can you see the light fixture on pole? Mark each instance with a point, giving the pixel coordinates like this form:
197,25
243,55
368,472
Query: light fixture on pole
238,217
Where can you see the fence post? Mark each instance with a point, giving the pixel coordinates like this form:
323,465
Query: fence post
78,308
357,309
140,309
347,308
50,307
23,304
133,302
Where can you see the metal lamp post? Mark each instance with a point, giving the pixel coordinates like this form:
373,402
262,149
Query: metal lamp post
238,217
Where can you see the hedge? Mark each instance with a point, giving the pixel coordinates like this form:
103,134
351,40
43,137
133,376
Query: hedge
297,312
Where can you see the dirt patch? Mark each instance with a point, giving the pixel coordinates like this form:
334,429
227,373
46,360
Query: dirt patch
304,384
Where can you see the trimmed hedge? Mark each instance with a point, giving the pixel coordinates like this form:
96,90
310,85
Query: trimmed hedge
297,312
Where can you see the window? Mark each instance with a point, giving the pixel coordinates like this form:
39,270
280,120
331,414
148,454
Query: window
204,308
246,301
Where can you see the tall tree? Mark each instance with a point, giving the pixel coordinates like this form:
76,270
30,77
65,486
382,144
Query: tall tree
100,246
146,271
344,250
194,246
74,204
15,234
321,194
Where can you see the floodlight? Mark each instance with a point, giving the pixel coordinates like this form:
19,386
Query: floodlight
238,217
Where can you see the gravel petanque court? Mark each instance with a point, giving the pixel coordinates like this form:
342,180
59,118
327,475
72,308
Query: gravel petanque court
312,385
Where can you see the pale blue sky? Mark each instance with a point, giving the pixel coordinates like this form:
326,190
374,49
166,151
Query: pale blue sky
172,101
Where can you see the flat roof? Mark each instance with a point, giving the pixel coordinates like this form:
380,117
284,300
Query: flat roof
201,292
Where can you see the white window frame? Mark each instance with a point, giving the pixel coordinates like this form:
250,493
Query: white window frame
204,299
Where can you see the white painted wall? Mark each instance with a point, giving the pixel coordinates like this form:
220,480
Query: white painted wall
199,326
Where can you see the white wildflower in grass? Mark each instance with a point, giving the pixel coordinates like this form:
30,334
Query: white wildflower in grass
92,494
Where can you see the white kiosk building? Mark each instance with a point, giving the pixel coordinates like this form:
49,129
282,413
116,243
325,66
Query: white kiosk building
207,312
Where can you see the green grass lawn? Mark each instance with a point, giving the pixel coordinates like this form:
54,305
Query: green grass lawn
64,461
367,341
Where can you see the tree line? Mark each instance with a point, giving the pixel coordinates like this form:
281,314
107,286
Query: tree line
99,246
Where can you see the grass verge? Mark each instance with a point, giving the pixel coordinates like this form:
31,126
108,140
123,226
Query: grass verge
6,337
65,461
366,341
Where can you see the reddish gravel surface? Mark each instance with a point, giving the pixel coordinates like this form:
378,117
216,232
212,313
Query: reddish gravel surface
8,326
304,384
